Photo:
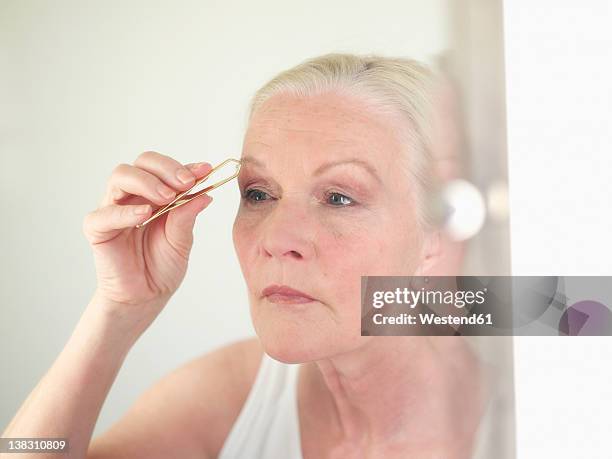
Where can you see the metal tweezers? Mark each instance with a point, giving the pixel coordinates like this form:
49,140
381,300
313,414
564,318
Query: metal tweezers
184,197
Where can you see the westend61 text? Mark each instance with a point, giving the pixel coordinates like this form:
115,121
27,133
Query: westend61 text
432,319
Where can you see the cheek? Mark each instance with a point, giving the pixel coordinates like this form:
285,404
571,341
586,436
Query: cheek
383,247
386,245
243,236
349,249
353,240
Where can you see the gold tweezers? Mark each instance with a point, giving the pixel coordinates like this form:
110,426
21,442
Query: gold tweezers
184,198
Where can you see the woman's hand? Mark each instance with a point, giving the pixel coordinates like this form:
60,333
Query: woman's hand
138,269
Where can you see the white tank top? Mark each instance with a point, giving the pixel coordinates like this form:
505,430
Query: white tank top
268,424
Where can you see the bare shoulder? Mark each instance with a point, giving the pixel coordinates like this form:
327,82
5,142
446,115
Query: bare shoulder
189,412
235,367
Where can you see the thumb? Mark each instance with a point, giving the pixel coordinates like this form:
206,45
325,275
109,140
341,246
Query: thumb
180,222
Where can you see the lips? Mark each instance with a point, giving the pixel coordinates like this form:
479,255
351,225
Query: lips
286,295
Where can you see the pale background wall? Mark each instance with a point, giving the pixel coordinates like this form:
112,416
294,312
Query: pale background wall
87,85
559,102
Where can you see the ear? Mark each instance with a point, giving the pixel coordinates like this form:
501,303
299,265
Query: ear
441,255
431,253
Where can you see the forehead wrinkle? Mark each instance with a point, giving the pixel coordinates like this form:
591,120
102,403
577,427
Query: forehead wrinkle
369,133
323,138
282,114
361,142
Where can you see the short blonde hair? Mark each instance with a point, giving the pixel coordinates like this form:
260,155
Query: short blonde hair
392,85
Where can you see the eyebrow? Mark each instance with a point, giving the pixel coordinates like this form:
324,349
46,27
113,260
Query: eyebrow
319,170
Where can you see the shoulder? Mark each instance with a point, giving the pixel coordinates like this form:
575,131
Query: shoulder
195,405
222,380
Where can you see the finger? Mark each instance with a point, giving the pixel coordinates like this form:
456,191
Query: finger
129,180
199,169
105,223
167,169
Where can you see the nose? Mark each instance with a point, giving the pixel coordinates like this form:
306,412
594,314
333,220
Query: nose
288,233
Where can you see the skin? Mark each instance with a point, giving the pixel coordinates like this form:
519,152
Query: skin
358,396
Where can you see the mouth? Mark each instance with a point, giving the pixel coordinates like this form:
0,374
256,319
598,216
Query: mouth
283,294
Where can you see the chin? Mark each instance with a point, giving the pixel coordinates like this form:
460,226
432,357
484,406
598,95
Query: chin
289,342
284,343
303,333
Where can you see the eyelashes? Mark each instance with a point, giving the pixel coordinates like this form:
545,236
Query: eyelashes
344,200
250,195
255,196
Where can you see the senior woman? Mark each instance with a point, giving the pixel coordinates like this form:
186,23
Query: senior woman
336,165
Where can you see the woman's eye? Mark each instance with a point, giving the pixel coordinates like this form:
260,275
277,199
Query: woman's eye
255,195
335,199
339,200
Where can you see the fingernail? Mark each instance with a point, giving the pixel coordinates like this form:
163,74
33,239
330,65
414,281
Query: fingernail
207,200
184,175
196,165
165,192
141,210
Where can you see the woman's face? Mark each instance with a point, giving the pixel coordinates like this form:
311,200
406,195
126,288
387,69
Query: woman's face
325,200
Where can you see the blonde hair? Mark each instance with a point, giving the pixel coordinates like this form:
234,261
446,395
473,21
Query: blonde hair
392,85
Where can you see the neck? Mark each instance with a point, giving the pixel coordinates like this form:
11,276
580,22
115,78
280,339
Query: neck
417,392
